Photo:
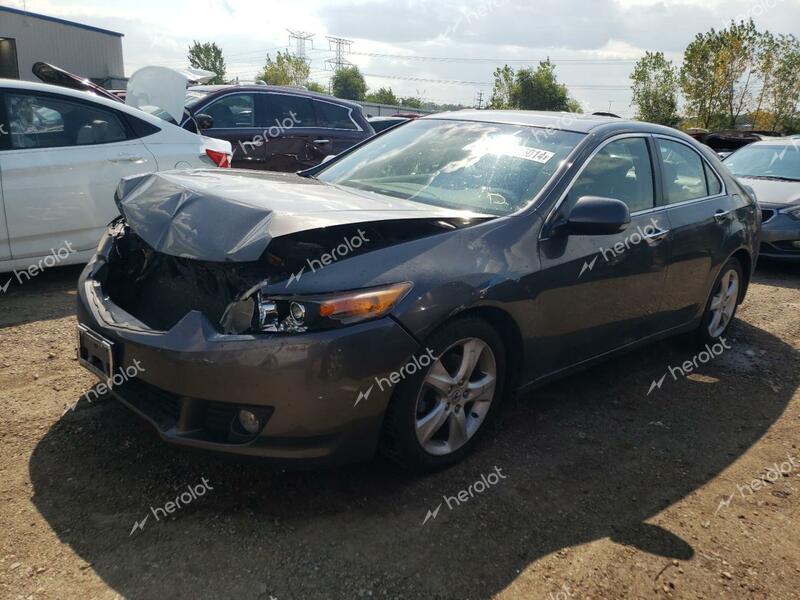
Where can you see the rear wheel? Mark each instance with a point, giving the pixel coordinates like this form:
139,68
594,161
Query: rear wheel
722,304
436,417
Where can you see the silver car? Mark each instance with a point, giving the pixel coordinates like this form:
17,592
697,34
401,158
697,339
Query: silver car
772,169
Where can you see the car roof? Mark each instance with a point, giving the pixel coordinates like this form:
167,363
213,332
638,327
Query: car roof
298,91
534,118
35,86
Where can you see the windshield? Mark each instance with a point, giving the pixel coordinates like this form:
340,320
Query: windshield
779,161
482,167
193,97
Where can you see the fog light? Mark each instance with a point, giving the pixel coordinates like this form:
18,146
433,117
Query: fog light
249,421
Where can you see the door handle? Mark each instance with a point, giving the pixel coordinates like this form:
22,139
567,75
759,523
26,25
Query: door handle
656,236
320,142
721,215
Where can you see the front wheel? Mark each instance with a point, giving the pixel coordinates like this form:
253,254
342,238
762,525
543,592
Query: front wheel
722,305
436,417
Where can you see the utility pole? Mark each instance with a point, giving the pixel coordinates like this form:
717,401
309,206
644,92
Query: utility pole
300,38
341,46
479,101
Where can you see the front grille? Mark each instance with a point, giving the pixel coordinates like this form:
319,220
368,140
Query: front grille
767,214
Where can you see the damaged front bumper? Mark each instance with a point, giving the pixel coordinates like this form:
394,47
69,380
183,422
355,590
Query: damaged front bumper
192,380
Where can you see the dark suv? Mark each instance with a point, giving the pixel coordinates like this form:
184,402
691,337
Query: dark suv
276,128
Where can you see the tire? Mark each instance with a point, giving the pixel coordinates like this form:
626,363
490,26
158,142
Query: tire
722,303
436,416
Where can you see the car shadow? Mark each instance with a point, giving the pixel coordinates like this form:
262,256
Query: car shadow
778,274
39,298
597,455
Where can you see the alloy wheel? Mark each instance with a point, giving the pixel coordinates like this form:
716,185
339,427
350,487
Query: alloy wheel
723,303
455,396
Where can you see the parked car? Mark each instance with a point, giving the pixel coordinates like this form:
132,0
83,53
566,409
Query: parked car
63,156
390,298
276,128
772,170
382,123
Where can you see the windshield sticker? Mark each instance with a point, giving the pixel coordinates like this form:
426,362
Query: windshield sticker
534,154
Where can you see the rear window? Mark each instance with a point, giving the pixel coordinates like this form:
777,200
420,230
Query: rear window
288,111
334,116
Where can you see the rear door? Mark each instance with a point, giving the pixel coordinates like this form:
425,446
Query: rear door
604,291
293,137
338,127
237,119
60,168
701,215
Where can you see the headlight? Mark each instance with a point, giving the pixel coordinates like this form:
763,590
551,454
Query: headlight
793,212
295,314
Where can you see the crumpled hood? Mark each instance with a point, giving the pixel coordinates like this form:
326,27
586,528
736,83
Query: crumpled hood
769,191
231,215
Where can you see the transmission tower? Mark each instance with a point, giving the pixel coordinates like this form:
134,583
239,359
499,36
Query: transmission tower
341,46
300,38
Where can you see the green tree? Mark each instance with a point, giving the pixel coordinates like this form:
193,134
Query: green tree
411,102
781,88
349,83
530,89
383,96
313,86
720,73
503,87
284,70
655,90
208,56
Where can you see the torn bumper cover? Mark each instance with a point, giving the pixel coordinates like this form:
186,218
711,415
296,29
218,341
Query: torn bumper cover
193,381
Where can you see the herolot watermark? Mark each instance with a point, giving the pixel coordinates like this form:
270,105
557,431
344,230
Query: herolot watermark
415,365
562,594
51,260
192,493
281,126
479,487
637,237
101,389
348,246
773,474
686,368
3,129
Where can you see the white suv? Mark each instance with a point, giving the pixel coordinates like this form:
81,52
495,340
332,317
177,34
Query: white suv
62,155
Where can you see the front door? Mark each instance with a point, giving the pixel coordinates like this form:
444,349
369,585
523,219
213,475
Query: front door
237,119
603,291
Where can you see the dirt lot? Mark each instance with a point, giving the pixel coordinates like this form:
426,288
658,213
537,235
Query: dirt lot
607,492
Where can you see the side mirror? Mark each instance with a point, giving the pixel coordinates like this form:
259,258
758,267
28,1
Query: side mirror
327,158
595,215
204,121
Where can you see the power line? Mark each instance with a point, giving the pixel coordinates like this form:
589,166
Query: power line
485,83
465,59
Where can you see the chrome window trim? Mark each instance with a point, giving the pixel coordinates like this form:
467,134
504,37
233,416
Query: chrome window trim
594,153
309,98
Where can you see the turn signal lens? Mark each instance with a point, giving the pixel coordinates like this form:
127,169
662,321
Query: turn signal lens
363,304
221,159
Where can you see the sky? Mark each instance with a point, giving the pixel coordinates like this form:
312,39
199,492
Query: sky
442,51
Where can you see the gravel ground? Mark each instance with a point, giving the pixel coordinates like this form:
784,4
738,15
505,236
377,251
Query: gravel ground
606,491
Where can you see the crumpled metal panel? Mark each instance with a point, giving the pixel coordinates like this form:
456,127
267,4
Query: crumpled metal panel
228,215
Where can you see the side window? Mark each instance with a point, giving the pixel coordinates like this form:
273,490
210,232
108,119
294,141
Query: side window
334,116
620,170
44,122
684,172
285,111
714,184
232,111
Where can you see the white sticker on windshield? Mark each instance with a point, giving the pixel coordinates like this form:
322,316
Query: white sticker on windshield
534,154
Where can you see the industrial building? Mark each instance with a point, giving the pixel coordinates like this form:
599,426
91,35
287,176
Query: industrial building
26,38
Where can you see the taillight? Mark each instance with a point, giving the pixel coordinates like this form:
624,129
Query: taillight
221,159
